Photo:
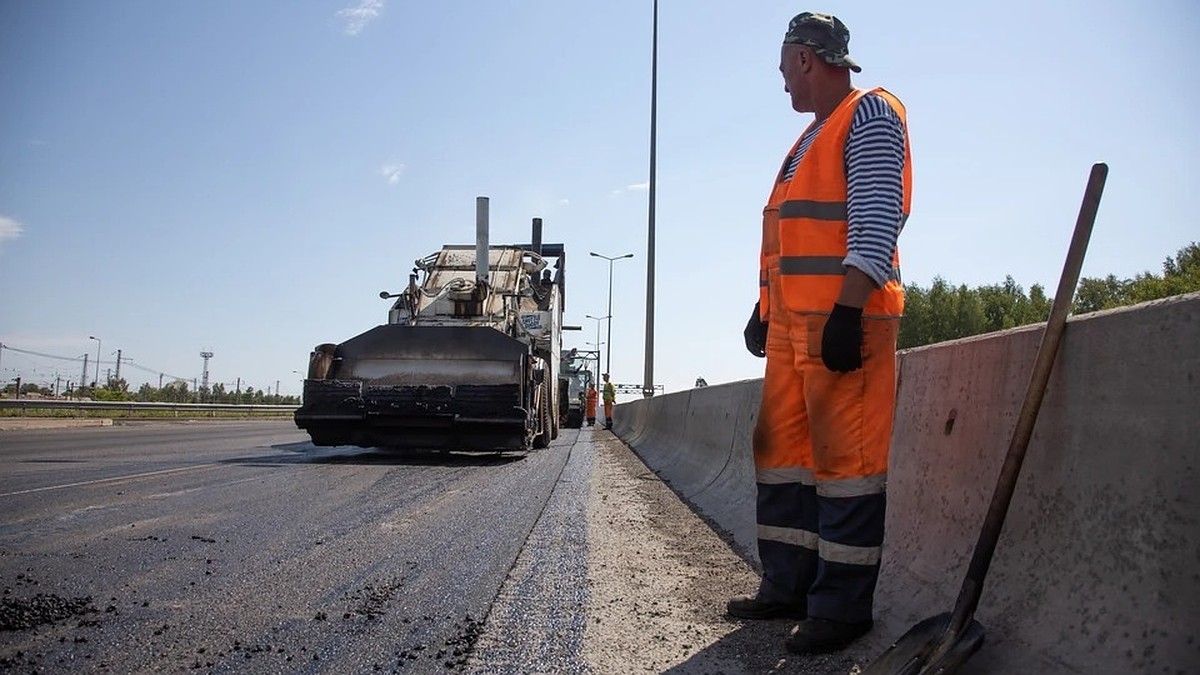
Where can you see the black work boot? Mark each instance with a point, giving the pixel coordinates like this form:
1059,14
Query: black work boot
753,607
821,636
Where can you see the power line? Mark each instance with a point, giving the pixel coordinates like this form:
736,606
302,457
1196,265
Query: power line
48,356
152,371
78,359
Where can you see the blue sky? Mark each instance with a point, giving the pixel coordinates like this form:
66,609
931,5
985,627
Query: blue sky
244,178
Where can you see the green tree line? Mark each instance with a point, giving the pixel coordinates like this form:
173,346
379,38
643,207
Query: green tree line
944,311
174,392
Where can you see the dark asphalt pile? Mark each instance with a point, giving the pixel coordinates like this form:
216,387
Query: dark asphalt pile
43,608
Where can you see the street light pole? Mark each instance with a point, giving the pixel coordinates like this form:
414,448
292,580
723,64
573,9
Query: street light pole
96,380
648,377
597,345
608,350
598,319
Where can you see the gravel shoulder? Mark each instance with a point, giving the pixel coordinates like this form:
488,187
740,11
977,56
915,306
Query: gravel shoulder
659,577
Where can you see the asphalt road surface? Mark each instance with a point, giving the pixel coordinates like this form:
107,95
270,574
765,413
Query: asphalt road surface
209,545
223,547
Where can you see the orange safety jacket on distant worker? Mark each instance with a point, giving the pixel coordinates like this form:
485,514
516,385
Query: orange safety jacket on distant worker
805,224
593,397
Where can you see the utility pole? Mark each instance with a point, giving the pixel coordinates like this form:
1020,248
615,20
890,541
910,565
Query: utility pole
238,392
83,378
160,375
118,364
276,389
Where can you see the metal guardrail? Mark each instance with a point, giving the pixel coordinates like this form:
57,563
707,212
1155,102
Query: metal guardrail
23,404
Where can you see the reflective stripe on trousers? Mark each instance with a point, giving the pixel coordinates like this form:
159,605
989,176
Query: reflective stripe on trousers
820,453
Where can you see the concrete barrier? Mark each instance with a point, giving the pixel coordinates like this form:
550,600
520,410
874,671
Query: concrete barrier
698,442
1098,569
23,423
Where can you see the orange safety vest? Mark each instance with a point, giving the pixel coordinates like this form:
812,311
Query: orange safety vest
805,223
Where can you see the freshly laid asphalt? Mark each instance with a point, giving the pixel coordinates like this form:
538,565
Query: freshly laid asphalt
240,547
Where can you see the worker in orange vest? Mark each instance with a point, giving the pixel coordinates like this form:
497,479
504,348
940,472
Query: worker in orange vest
593,397
830,301
610,399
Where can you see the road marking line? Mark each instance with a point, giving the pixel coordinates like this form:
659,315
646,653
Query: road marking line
107,480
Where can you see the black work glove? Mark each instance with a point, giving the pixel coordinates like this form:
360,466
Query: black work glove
756,334
841,343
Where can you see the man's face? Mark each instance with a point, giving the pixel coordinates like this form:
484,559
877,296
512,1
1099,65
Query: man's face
795,65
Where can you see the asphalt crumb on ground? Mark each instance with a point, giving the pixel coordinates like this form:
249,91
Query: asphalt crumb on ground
372,600
452,654
43,608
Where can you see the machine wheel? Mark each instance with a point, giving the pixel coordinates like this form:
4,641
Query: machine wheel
543,439
555,423
320,361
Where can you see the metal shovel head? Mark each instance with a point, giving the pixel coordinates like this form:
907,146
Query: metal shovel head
928,649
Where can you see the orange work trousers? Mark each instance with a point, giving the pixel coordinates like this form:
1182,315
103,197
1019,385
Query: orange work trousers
821,454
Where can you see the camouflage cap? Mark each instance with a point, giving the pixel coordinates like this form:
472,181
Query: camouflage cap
826,35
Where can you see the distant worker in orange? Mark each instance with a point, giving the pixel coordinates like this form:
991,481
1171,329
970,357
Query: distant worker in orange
610,397
830,301
593,397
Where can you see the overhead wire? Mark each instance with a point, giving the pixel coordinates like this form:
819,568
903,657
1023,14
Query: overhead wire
80,359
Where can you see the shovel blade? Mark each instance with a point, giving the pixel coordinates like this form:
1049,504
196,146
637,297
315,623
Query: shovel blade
927,649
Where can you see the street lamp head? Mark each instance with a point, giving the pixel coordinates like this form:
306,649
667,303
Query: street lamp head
609,258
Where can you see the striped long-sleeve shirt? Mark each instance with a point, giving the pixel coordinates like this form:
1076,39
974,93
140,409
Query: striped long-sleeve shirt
874,180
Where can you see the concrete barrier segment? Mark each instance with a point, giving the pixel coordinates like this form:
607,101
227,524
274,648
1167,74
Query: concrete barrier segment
698,442
667,443
1096,570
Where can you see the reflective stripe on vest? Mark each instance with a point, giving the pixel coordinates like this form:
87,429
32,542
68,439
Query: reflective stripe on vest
820,264
806,208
